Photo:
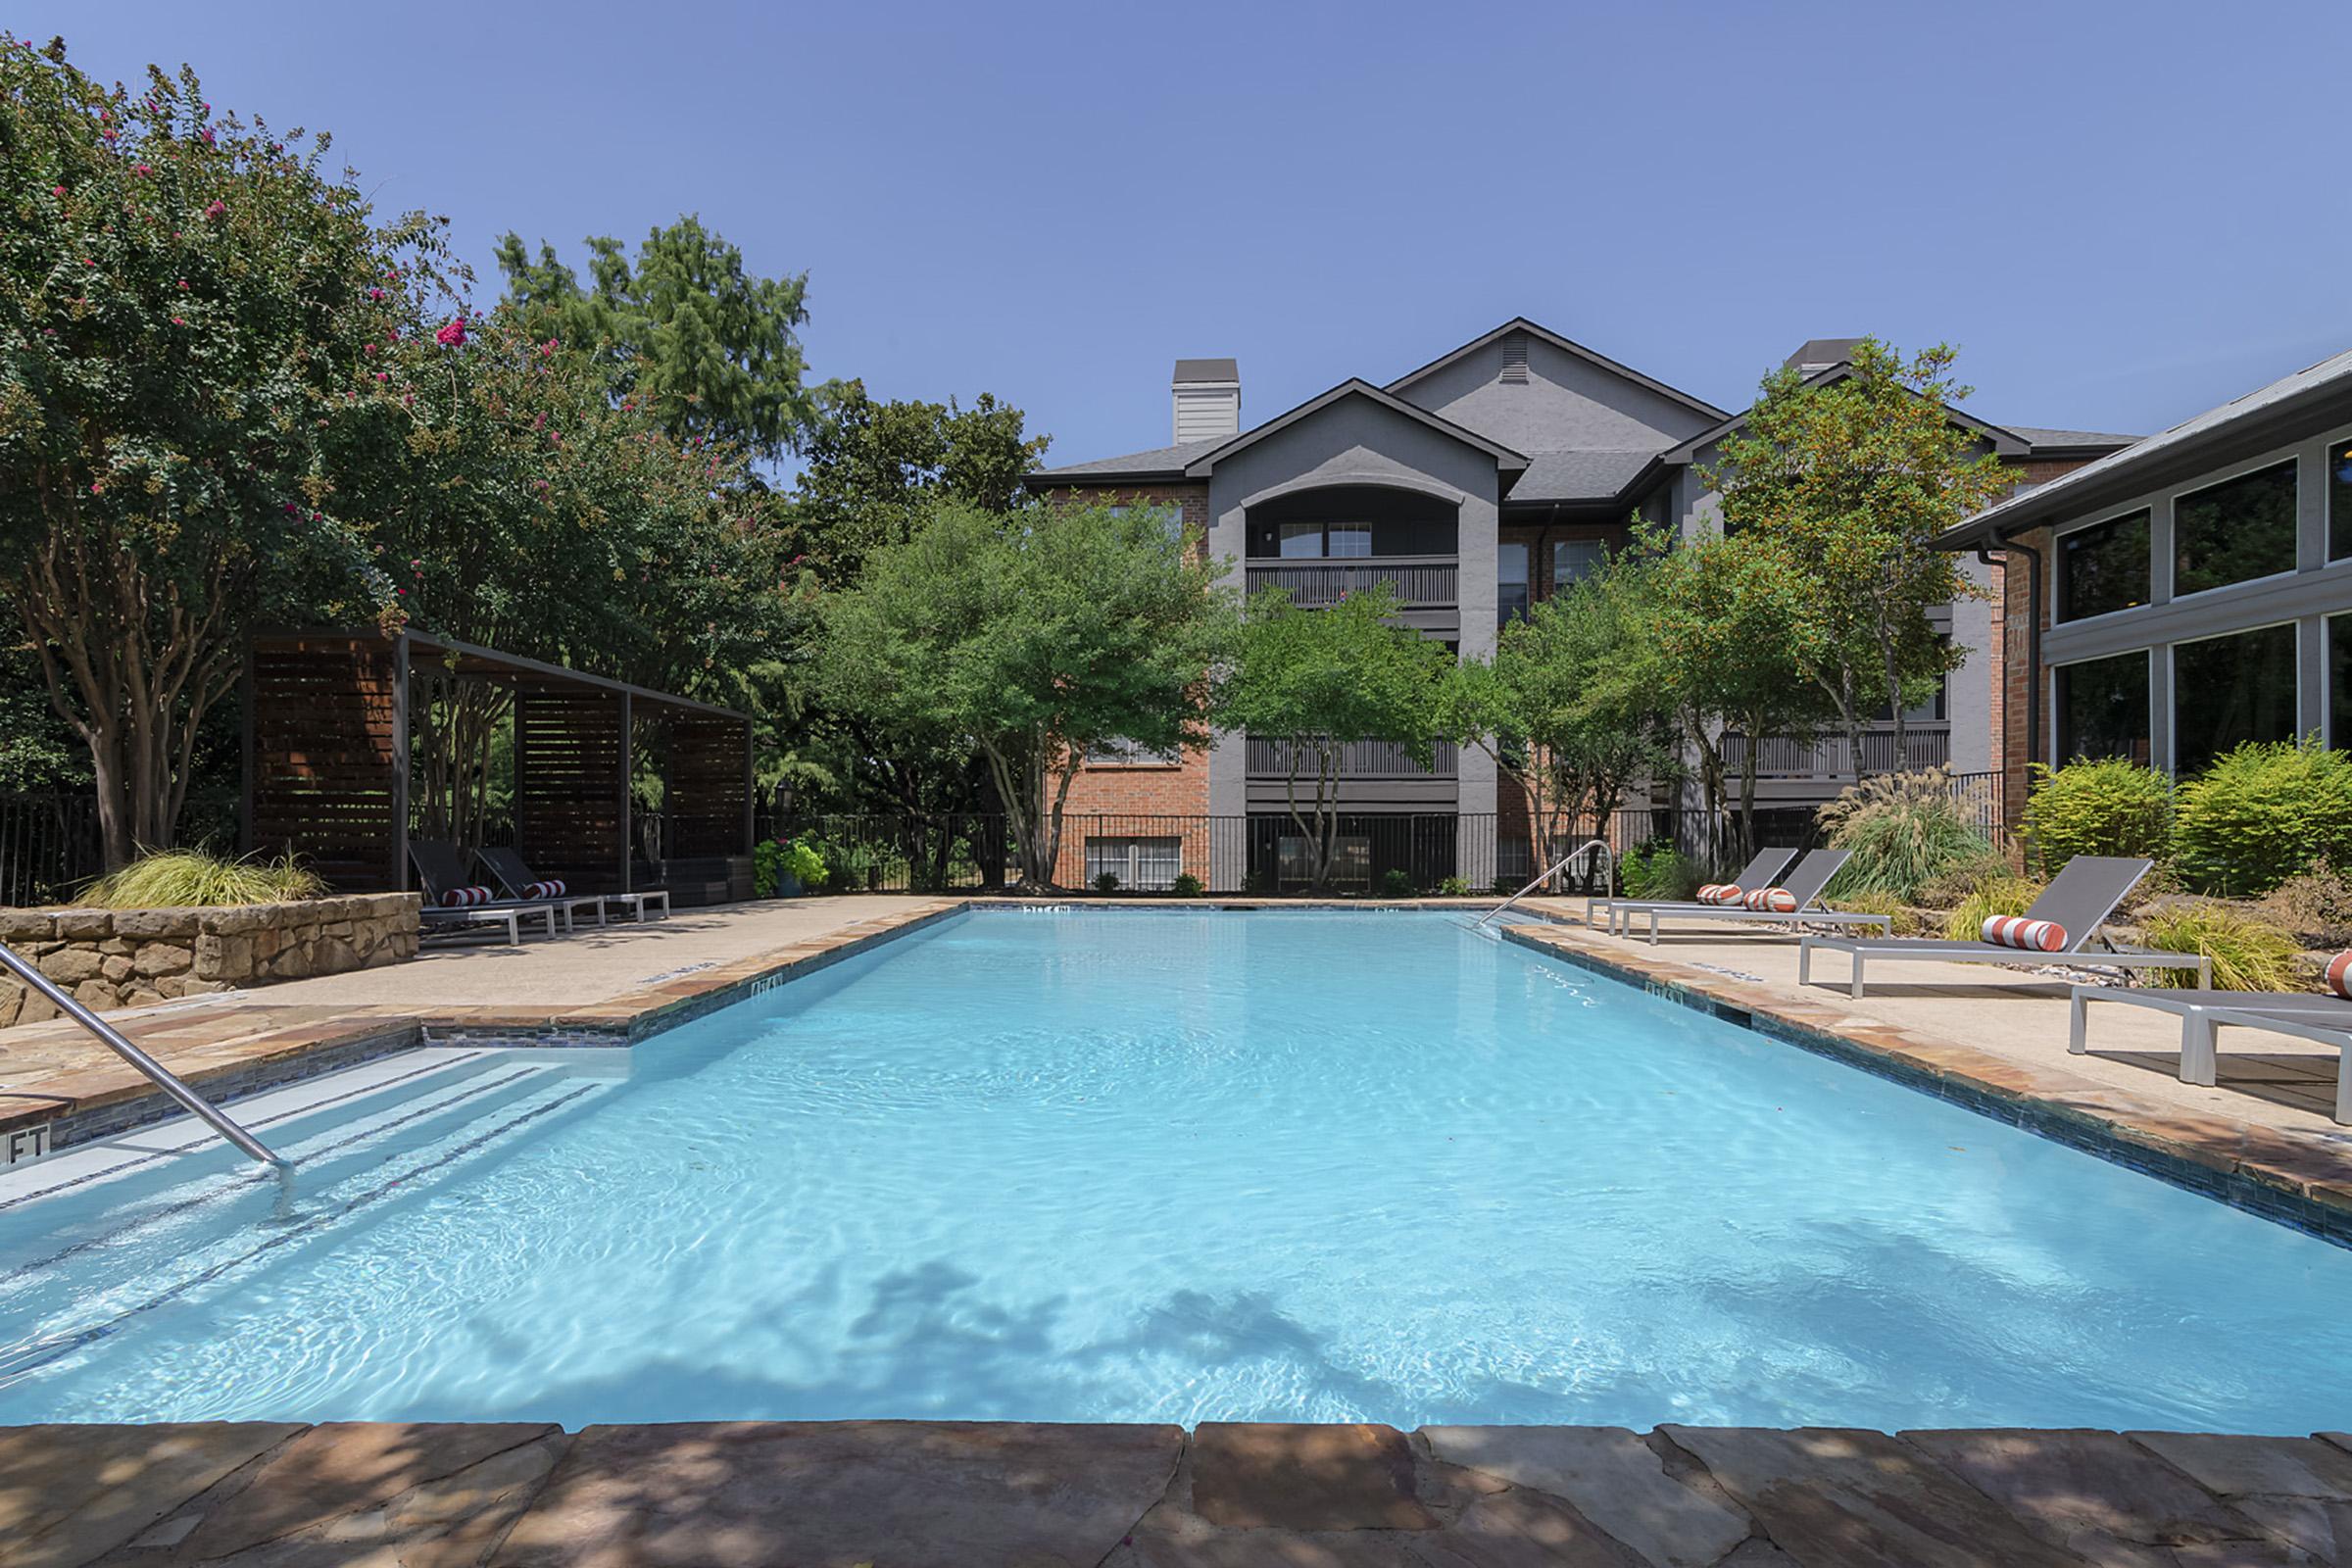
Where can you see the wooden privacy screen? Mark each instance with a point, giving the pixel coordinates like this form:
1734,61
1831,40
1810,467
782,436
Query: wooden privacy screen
709,785
571,769
326,729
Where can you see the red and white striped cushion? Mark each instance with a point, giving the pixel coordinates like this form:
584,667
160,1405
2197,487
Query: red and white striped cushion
1772,901
1719,893
549,889
2016,931
465,898
2339,975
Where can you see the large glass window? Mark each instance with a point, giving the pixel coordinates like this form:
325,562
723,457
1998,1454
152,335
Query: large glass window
2339,682
1348,540
1302,540
2339,501
1573,559
2236,530
2103,708
2232,689
2103,568
1510,589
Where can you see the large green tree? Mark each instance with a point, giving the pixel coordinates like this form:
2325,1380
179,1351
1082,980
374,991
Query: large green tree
184,300
515,506
1319,680
1849,481
1030,637
1568,707
687,331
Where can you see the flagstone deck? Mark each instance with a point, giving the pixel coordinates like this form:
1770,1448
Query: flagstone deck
984,1495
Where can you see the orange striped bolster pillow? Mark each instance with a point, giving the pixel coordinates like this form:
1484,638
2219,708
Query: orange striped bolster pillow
1772,901
1719,893
2016,931
2339,975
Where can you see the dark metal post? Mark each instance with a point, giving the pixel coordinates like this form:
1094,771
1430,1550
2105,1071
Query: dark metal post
400,764
629,764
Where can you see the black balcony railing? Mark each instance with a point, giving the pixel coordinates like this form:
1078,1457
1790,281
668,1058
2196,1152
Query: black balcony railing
1422,582
1271,759
1832,757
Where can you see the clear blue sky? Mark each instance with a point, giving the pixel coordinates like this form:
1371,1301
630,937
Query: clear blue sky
2122,213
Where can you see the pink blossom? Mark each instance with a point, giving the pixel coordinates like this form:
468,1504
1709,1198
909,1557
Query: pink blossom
368,348
96,488
176,322
375,293
183,282
383,375
57,190
141,169
205,135
451,335
219,209
291,508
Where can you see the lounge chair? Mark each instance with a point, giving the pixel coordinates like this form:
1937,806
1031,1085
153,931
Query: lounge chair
1761,868
2321,1017
1803,884
509,869
441,868
2078,901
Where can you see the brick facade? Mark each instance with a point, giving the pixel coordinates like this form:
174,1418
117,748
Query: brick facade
2011,702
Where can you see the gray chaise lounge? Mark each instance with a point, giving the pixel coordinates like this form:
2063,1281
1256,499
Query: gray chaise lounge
2321,1017
1766,863
1804,884
509,869
2078,899
440,867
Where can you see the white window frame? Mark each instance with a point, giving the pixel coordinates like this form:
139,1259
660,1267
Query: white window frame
1134,853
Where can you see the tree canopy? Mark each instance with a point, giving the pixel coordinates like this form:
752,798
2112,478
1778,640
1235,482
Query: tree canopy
1031,637
705,346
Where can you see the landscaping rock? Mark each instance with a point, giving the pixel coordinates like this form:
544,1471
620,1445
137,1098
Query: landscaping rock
146,924
69,966
164,958
84,925
19,926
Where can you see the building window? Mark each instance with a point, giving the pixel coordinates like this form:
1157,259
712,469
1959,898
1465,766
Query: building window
1574,560
1347,541
1300,541
2339,682
1315,541
2339,501
1127,754
2103,568
1510,593
1171,516
1350,861
2234,531
1150,864
2227,690
2103,708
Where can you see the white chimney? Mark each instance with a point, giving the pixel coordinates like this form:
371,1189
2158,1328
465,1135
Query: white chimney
1207,395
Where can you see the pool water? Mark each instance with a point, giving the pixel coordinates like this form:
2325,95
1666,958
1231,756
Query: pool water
1065,1165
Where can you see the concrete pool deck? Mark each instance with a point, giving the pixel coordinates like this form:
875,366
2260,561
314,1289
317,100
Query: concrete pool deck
1005,1494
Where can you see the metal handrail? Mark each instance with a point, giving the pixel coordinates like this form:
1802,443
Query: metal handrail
1608,857
156,1073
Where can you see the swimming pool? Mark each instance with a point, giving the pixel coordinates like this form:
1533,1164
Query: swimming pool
1174,1166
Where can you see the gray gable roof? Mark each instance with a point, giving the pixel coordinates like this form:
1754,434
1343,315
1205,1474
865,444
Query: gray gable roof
1580,476
1520,323
1824,351
2040,438
2324,390
1160,462
1506,459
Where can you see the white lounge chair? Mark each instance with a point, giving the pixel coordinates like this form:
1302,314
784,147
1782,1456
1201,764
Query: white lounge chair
1804,884
1766,864
2321,1017
2079,901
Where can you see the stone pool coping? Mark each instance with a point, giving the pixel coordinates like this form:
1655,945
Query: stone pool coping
1005,1494
233,1048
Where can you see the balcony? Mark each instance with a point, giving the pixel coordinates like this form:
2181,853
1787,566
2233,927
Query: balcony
1422,582
1358,759
1831,759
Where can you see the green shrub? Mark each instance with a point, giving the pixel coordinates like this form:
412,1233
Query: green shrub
1965,881
2001,895
1108,882
2109,807
1904,831
176,878
1902,919
1187,886
1396,883
2247,954
2260,813
803,864
1655,869
1453,887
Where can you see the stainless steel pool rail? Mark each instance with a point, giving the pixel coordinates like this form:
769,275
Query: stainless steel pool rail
156,1073
1608,859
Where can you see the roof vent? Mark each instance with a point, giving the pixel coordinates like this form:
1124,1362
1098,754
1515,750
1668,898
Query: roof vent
1514,359
1207,395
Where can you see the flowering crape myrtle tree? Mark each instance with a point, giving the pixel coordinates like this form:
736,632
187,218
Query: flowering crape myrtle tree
184,300
516,504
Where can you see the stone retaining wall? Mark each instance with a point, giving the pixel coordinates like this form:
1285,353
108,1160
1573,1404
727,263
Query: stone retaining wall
129,957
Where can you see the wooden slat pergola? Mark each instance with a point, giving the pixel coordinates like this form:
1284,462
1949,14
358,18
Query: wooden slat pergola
328,760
